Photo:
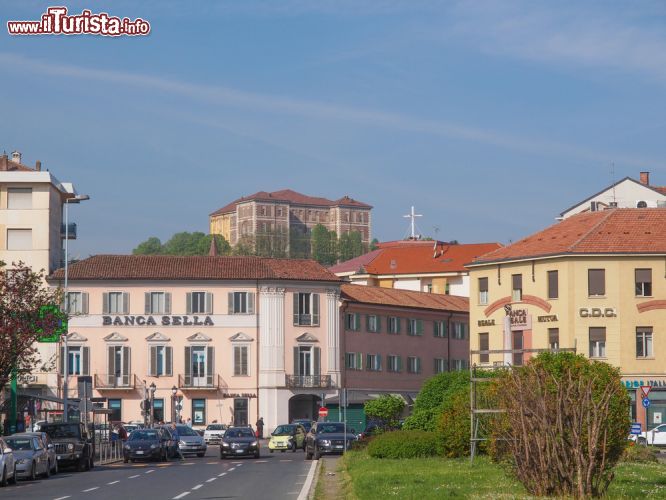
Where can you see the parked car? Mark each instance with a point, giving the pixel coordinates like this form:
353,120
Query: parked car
73,444
172,444
239,441
146,444
305,422
32,459
327,438
190,441
287,437
656,436
7,464
50,449
213,433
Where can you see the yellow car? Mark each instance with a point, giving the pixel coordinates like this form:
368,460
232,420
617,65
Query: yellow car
287,437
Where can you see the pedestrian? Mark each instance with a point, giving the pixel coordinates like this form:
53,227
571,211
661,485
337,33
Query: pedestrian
260,428
122,432
176,438
189,422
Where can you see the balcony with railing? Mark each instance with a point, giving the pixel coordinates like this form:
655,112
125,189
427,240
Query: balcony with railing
114,381
68,230
204,383
309,381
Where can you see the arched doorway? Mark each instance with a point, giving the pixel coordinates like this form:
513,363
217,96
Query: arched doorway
304,406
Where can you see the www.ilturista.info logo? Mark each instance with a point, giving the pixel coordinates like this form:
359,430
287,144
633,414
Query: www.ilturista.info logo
56,21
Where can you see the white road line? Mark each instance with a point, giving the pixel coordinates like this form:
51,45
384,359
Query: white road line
132,477
113,482
197,486
149,471
232,469
222,474
260,461
308,482
211,479
62,498
91,489
287,460
184,494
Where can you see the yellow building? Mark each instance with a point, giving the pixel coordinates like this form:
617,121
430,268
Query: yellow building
595,282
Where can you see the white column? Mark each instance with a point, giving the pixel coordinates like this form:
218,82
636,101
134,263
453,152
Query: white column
333,334
271,337
508,341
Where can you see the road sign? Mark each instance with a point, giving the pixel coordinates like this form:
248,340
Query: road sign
323,411
646,402
636,428
645,390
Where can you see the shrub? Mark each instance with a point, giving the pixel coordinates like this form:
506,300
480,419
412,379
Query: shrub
639,454
386,408
453,425
565,423
403,444
435,391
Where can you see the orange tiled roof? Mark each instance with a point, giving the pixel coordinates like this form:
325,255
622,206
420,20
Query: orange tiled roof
620,230
403,298
415,257
289,196
167,267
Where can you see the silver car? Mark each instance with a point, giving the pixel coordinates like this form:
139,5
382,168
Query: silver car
50,449
7,464
191,441
32,458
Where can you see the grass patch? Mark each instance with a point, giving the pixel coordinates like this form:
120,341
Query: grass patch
420,478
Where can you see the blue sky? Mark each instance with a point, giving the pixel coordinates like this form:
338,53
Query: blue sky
489,117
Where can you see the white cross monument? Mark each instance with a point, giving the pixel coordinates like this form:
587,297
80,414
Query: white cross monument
413,216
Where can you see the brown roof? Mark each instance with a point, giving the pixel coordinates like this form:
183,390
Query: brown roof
404,298
167,267
289,196
620,230
7,165
415,257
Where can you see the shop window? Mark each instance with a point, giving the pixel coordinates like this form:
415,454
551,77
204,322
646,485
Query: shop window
199,411
241,410
158,410
115,405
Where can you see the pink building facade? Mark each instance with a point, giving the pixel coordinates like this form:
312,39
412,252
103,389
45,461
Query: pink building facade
235,338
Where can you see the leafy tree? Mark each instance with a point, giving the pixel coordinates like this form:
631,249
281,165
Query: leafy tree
386,408
374,244
324,243
299,244
271,243
28,312
565,423
152,246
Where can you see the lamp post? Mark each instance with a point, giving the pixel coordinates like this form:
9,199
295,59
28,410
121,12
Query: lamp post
153,388
174,391
65,399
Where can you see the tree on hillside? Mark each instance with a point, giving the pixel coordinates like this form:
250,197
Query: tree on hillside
299,244
183,243
152,246
271,243
28,311
324,245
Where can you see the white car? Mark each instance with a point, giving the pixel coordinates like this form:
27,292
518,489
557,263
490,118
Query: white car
213,433
7,464
656,436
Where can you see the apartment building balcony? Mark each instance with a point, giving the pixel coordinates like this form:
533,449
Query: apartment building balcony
68,231
309,381
205,383
113,381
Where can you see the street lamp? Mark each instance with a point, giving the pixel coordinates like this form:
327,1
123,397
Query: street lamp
65,400
174,391
153,388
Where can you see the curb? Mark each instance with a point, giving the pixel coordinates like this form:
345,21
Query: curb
307,492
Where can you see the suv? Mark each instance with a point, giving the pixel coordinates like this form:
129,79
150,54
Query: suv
72,443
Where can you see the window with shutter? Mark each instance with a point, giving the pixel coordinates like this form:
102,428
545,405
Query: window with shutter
554,338
188,366
153,361
597,342
210,365
596,282
169,361
483,291
483,346
315,309
553,285
517,287
643,282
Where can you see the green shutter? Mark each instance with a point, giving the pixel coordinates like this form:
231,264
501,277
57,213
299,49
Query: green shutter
296,363
188,366
153,361
168,354
105,303
317,361
85,354
146,297
112,367
296,322
188,303
210,365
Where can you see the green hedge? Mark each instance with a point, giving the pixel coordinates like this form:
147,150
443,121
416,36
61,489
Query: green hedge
640,454
403,444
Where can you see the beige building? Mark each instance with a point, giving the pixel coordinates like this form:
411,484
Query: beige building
285,212
594,282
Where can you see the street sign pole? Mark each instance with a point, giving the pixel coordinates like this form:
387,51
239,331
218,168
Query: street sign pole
647,411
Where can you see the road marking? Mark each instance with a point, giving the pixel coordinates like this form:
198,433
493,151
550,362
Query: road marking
62,498
132,477
189,463
113,482
211,463
184,494
288,460
223,474
211,479
197,486
232,469
91,489
260,461
308,482
149,471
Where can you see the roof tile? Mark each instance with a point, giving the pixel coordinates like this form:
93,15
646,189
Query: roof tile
404,298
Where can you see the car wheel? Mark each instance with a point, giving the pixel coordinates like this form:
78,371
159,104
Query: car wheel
125,460
641,440
222,456
200,454
55,467
47,472
3,479
257,454
308,455
13,479
81,466
92,463
270,451
33,472
316,455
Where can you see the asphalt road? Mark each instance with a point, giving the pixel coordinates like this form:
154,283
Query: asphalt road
273,476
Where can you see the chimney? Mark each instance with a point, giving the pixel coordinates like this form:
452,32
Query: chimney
38,166
3,162
16,157
645,178
213,247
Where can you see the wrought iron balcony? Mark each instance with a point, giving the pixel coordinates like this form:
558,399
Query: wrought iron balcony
69,232
309,381
111,381
208,382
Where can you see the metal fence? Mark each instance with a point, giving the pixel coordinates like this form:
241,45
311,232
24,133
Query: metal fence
109,451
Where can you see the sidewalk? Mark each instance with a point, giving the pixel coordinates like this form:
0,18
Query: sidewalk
330,481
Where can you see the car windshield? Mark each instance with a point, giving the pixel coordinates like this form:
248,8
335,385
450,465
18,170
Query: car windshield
184,430
19,443
61,431
216,427
330,428
284,430
237,433
144,436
